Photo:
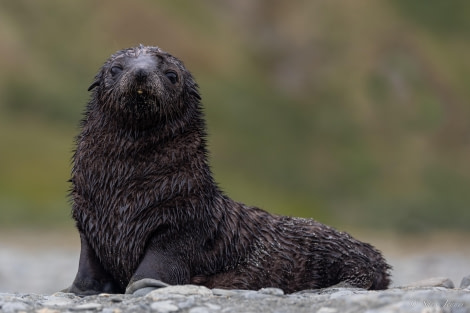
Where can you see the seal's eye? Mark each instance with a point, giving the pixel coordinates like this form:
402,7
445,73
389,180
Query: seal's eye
172,76
116,69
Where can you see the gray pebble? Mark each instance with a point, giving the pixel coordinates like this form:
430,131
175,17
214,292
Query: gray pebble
12,307
196,299
341,293
251,294
271,291
87,307
111,310
187,302
200,309
183,290
57,301
327,310
164,306
432,282
116,299
224,292
465,282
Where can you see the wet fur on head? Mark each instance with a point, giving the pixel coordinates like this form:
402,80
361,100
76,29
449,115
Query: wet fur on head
152,98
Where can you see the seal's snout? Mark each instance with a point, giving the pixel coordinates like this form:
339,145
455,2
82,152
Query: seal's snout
141,67
141,75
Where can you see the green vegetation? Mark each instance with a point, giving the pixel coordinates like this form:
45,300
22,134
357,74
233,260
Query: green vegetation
355,113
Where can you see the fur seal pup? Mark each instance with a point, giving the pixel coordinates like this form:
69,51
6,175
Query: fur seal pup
146,205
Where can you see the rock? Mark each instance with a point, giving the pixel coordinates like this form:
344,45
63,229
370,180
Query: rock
432,282
199,309
327,310
465,282
197,299
183,290
224,292
87,307
164,306
111,310
272,291
47,310
341,293
13,307
57,301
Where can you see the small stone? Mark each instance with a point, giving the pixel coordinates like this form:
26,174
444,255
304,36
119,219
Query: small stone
212,306
61,294
47,310
251,294
116,299
187,302
164,306
199,309
341,293
465,282
272,291
327,310
224,292
57,301
432,282
111,310
13,307
87,307
184,290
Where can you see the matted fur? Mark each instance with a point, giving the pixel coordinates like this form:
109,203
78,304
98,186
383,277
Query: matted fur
142,187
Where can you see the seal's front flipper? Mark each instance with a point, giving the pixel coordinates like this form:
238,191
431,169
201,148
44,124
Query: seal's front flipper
144,286
91,277
158,268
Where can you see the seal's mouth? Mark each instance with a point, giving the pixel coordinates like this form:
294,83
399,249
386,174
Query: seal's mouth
139,99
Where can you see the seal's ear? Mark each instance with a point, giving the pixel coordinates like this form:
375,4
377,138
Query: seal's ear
96,82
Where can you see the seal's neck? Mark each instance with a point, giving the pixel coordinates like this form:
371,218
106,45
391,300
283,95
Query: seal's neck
175,150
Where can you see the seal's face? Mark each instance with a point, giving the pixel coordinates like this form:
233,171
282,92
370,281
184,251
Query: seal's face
144,84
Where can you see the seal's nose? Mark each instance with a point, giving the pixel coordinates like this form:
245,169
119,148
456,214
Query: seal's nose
142,66
141,74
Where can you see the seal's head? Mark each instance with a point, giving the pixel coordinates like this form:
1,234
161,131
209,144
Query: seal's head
145,85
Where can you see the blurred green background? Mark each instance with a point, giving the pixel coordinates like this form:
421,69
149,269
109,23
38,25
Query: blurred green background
355,113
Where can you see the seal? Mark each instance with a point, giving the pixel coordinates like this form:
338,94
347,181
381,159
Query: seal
147,207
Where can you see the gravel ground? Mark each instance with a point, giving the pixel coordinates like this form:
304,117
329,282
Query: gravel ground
34,266
436,297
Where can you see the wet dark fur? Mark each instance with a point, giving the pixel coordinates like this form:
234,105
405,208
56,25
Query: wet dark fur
145,202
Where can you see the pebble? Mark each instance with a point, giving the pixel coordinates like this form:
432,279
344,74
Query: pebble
465,282
432,282
272,291
224,292
164,306
431,295
11,307
182,290
47,310
57,301
86,307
